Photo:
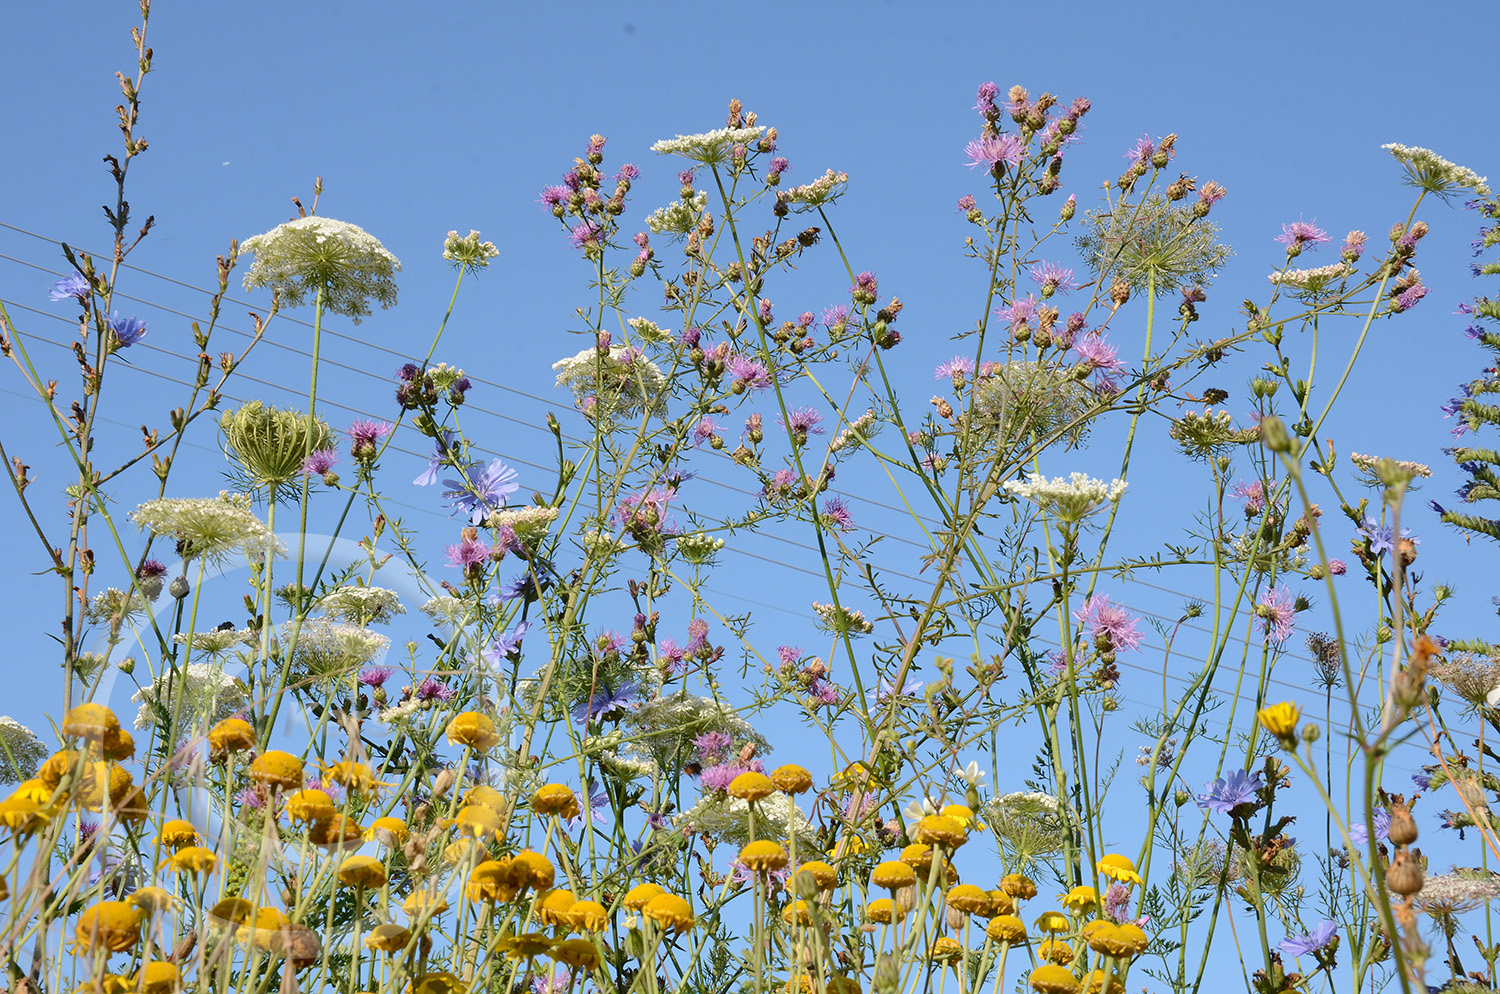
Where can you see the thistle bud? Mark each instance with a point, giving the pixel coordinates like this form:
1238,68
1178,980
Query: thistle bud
1405,875
1403,828
1273,434
1119,293
179,587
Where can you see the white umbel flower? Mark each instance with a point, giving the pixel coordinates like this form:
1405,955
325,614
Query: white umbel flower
679,217
202,694
711,146
20,751
1431,172
210,527
1071,499
362,605
347,263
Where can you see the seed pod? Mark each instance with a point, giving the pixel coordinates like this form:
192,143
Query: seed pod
1403,829
1405,876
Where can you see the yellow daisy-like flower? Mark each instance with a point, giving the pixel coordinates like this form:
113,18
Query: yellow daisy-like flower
356,777
492,881
487,796
963,814
178,834
475,730
969,899
641,895
90,721
388,938
158,978
117,745
1118,867
309,806
21,815
532,869
946,949
918,856
670,911
465,850
824,875
763,856
1055,951
33,790
579,954
153,900
1053,921
112,925
424,904
894,874
941,830
751,786
588,916
389,832
1080,900
337,833
1019,887
438,982
527,945
365,872
193,859
231,735
277,769
553,907
1001,903
791,779
555,799
1006,928
1054,979
1280,719
1106,938
477,821
881,911
797,913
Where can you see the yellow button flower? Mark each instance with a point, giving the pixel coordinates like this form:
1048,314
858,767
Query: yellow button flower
112,925
1118,867
474,730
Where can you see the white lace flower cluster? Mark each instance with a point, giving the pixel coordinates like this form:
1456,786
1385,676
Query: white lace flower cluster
209,527
363,605
711,146
679,217
21,752
1435,174
1070,500
215,642
1315,280
343,261
839,620
199,695
823,190
624,382
328,650
859,430
468,252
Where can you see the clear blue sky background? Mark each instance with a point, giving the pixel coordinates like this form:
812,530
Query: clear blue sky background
423,118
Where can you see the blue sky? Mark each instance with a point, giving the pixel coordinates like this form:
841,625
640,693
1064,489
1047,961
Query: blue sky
422,118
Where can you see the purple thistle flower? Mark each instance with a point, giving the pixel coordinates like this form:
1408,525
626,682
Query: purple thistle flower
127,331
1098,353
1227,793
646,510
1142,151
605,702
824,693
1117,902
151,568
789,655
558,982
1253,494
363,435
1302,233
966,203
987,94
991,152
554,195
375,676
1100,617
835,514
959,364
748,372
697,636
1337,567
320,462
718,778
836,316
1354,246
866,284
711,746
1276,612
469,554
801,421
1308,942
587,235
72,285
1052,278
433,689
1407,299
705,430
1019,312
483,492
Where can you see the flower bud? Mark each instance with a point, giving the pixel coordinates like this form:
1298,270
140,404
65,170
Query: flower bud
1405,875
179,587
1403,828
1273,434
1311,733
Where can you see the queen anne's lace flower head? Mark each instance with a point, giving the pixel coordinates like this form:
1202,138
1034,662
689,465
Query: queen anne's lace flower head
204,696
20,751
468,252
1429,171
1070,500
209,527
621,382
711,146
823,190
679,217
348,264
363,605
1313,282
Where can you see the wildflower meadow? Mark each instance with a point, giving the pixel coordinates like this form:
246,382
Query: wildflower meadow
775,635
